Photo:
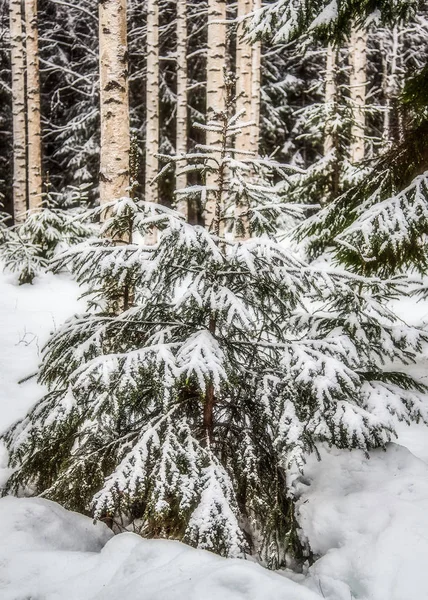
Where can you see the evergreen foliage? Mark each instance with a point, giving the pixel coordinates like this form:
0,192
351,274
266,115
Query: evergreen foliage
380,225
204,368
284,20
29,246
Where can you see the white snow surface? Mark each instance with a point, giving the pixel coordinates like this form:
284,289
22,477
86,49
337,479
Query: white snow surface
366,519
49,553
28,314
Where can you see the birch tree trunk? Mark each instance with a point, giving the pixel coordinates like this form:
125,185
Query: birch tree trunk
330,98
244,72
181,135
358,61
152,101
244,103
34,139
216,97
115,135
255,87
18,111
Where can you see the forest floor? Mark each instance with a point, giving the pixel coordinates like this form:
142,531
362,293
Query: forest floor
366,519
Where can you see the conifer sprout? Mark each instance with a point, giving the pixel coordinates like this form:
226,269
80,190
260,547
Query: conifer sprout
257,185
4,221
181,415
29,246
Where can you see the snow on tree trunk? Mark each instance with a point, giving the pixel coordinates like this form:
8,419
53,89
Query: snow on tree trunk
115,135
357,81
181,135
18,110
216,97
330,97
152,101
244,91
34,140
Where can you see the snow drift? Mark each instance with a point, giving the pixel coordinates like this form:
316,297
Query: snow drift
367,520
48,553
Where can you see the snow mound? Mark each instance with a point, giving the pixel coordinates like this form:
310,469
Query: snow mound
49,553
34,524
368,520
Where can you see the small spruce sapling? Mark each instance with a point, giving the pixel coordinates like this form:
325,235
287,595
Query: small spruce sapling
29,246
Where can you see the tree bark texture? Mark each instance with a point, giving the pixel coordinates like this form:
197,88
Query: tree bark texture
357,86
181,134
244,76
216,97
244,142
34,138
152,101
18,110
115,132
255,86
330,98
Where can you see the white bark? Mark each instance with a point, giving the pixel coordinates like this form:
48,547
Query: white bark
244,72
18,110
216,63
244,102
34,139
358,82
152,101
255,87
115,135
330,98
181,135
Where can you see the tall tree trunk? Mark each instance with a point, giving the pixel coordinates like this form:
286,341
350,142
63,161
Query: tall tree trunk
358,61
181,135
391,86
34,138
255,87
244,72
330,98
216,97
244,103
331,141
115,135
152,101
18,110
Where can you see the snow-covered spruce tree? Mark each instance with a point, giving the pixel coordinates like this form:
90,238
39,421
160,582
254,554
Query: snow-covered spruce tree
29,246
380,225
179,409
325,126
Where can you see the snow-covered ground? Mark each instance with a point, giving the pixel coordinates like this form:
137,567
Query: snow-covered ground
49,553
366,519
28,314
